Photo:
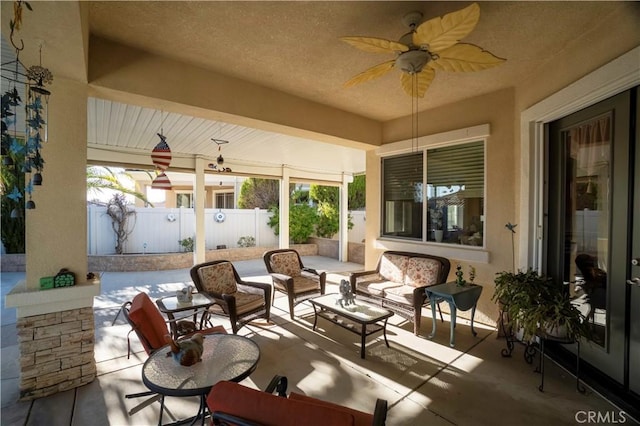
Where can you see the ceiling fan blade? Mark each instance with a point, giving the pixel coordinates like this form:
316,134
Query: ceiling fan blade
442,33
423,81
375,45
464,57
373,72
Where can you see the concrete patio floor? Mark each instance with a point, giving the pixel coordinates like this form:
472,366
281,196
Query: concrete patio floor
424,381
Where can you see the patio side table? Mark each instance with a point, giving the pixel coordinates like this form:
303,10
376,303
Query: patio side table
169,305
459,298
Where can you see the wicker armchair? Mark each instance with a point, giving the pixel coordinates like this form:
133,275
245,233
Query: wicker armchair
291,277
242,301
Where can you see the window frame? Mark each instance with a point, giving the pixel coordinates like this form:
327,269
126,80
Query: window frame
224,194
478,133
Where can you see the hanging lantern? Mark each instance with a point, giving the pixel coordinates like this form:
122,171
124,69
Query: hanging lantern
161,182
16,213
161,154
30,205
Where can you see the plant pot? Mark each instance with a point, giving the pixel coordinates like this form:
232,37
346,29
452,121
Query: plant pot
558,331
438,234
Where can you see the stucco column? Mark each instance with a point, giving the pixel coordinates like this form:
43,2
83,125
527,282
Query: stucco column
344,218
56,326
56,230
200,198
284,209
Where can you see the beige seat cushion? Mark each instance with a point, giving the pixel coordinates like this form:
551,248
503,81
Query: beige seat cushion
303,284
286,263
421,272
246,302
402,294
218,278
376,288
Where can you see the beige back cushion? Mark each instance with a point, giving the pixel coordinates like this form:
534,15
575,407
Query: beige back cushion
422,271
285,263
218,278
392,267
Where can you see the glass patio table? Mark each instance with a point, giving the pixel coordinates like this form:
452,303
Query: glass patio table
360,318
225,357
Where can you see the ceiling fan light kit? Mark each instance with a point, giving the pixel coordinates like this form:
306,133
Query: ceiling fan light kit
427,47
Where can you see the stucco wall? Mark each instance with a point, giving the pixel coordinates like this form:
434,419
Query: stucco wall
495,109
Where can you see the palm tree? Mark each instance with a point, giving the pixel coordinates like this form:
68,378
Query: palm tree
101,178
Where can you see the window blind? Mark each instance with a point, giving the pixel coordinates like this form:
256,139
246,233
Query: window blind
461,165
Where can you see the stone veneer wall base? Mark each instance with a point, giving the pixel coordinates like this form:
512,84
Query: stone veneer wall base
56,352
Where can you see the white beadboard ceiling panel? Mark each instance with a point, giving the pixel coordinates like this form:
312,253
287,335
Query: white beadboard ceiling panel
133,129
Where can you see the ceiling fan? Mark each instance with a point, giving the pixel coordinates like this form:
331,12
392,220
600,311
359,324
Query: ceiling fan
427,47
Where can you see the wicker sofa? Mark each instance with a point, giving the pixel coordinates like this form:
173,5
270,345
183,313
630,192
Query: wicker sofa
399,280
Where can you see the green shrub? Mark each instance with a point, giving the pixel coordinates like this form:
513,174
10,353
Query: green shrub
302,222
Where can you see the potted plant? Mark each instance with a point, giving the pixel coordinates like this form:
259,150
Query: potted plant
538,306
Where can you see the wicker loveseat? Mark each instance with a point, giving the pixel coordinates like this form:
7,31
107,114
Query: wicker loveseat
399,280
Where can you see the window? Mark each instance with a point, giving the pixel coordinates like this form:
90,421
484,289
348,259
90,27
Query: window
224,200
443,202
184,200
403,196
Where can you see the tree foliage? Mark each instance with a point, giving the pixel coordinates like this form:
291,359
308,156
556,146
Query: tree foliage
259,193
100,178
357,192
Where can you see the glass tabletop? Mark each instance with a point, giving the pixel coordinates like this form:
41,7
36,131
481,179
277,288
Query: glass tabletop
225,357
360,310
171,304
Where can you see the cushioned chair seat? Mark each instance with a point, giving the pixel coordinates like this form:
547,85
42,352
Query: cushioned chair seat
246,302
402,294
303,284
266,409
377,288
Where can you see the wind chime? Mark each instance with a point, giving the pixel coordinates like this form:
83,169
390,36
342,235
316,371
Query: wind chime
219,165
161,157
22,152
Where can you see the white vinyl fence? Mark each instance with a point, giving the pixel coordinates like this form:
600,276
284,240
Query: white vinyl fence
160,230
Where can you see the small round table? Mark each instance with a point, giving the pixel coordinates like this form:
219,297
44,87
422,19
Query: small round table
225,357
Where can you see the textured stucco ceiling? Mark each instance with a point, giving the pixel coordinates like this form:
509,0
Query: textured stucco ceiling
294,47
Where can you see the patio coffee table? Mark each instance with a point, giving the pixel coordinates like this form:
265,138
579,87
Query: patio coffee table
360,318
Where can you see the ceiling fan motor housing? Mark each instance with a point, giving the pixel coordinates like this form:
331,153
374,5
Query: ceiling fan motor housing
412,61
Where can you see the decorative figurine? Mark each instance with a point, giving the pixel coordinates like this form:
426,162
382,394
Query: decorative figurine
185,295
186,352
459,276
346,295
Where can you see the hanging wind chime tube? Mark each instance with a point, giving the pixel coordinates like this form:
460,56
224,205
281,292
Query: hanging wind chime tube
23,153
37,123
161,157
